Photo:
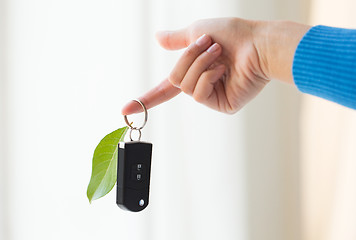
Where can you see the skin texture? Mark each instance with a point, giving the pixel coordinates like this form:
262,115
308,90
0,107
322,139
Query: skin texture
227,62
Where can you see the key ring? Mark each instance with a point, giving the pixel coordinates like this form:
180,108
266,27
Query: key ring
137,128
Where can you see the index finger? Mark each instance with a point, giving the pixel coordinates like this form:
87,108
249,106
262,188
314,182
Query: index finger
159,94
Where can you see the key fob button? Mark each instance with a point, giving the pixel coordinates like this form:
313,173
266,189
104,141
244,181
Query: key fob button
139,167
138,177
138,172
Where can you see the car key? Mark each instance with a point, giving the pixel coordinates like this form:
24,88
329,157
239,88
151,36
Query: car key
134,170
133,182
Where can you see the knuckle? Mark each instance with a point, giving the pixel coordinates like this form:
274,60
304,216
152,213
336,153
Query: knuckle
173,78
198,97
185,88
169,40
231,108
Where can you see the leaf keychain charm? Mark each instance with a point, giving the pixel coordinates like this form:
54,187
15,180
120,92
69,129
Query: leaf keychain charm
104,169
133,170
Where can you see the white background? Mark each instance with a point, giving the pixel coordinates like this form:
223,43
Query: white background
67,68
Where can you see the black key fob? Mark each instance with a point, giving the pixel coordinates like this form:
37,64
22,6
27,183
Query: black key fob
133,175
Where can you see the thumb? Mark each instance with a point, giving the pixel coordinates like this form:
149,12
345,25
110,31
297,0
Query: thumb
173,40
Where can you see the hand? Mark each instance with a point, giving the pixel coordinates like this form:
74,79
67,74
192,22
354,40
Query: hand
227,62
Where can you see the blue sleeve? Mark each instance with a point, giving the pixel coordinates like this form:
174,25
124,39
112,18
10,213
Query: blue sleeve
324,64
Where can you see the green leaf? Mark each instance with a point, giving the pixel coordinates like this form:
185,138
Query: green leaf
104,170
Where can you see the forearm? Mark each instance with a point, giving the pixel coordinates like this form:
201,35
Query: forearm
319,60
324,64
276,43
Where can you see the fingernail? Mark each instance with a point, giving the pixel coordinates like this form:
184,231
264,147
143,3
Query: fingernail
213,48
202,40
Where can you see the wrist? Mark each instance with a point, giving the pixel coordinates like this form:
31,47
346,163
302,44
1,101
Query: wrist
276,42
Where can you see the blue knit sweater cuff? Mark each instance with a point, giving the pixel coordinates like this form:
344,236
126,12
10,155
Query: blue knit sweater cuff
325,64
